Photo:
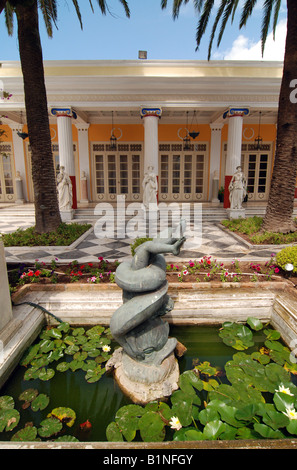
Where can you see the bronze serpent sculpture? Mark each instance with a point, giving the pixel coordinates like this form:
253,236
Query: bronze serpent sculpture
137,325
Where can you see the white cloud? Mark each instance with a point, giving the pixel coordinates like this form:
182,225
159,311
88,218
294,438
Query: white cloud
245,49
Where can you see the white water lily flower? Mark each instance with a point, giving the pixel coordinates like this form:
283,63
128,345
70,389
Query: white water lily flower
290,412
106,348
175,423
285,390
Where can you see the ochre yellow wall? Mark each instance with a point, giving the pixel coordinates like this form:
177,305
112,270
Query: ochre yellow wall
130,132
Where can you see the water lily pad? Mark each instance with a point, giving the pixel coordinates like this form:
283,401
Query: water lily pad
28,395
46,345
9,419
152,427
94,375
49,427
66,439
46,374
64,414
78,331
114,433
63,366
40,402
27,434
6,402
55,333
213,429
31,373
95,331
31,352
267,432
255,323
64,326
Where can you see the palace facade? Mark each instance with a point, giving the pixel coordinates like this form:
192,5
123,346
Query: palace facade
194,122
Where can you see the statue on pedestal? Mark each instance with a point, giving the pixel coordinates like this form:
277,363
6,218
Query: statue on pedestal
64,190
145,366
237,189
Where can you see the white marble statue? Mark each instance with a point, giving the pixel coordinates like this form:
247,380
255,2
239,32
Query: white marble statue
150,188
237,189
64,190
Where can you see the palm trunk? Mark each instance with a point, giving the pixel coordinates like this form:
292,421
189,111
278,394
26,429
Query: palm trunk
278,217
47,215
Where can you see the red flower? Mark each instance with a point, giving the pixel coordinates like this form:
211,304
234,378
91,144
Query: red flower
100,258
30,273
90,264
37,273
80,273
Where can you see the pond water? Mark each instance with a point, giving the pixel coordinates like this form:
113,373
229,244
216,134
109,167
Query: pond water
98,402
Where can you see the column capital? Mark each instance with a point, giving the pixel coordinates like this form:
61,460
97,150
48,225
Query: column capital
216,126
232,112
65,112
82,126
145,111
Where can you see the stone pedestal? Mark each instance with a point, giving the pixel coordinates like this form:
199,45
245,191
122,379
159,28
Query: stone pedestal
84,189
236,213
19,190
6,308
143,383
66,216
215,190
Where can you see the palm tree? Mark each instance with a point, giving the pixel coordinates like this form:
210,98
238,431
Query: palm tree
278,217
47,215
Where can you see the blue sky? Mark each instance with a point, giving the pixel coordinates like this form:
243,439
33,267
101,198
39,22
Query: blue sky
116,37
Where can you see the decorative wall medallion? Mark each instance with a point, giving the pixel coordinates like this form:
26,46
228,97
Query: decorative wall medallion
248,133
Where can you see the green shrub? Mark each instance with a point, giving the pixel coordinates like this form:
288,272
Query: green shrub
137,242
287,255
248,226
63,236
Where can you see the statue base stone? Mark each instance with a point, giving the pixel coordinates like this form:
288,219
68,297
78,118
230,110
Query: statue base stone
142,382
67,215
236,213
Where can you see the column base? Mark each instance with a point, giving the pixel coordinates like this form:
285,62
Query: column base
236,213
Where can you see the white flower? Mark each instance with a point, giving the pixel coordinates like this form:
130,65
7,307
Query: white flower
106,348
290,412
185,272
175,423
289,267
285,390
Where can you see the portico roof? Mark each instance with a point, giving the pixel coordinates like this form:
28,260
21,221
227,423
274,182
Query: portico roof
95,88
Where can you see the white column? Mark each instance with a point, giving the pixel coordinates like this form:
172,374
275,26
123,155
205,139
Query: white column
215,160
235,123
84,162
151,118
19,160
66,155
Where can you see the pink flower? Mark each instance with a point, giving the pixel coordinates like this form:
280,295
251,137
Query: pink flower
185,272
276,270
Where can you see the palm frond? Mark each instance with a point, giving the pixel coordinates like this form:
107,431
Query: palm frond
228,11
275,16
268,4
76,6
102,6
215,24
8,13
203,21
49,13
247,10
126,7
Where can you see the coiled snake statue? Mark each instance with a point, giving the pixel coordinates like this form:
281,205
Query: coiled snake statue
137,324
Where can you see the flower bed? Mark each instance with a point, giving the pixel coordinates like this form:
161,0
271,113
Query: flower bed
207,269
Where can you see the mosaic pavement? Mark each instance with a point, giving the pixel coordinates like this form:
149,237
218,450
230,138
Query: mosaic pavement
215,241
